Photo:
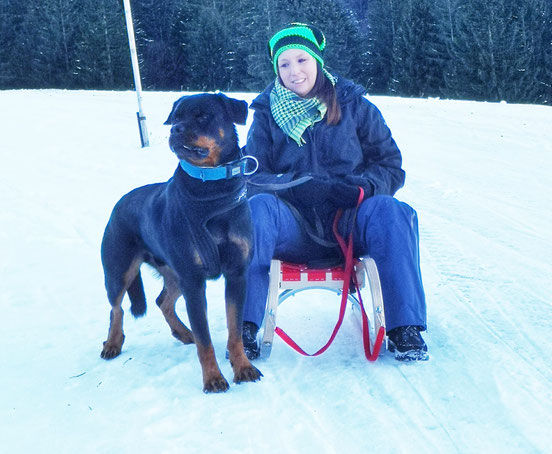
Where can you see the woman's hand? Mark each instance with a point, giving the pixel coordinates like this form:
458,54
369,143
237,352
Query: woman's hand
318,192
344,195
312,193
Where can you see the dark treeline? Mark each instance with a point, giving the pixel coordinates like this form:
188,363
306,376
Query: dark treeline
464,49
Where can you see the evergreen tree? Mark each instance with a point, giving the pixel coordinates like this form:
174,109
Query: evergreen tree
101,48
537,20
360,10
206,52
156,44
418,51
47,39
253,28
381,34
11,17
185,21
489,56
211,52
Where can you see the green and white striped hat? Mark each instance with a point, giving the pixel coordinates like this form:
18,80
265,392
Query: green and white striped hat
297,36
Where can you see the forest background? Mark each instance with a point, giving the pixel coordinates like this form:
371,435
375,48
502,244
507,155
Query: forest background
492,50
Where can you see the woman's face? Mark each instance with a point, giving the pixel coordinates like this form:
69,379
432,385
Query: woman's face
297,70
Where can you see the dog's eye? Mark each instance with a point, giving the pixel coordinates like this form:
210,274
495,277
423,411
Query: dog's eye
201,116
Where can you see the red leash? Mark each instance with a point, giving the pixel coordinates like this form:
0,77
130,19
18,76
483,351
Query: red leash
347,250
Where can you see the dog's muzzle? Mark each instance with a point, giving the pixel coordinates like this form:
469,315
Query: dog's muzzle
183,151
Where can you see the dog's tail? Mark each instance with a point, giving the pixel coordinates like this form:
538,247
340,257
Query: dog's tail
137,297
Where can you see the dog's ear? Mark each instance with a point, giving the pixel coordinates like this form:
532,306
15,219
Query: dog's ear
236,109
170,118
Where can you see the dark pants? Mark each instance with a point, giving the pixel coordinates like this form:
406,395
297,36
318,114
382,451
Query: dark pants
385,229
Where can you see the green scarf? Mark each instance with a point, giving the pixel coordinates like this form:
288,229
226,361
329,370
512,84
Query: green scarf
294,114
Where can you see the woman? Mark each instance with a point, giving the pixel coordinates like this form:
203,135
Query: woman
317,140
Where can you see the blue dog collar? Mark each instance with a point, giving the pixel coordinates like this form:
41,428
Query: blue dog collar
223,172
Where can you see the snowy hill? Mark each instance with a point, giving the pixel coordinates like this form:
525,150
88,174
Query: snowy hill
478,175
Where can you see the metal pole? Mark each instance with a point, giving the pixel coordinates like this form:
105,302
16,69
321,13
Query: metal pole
136,71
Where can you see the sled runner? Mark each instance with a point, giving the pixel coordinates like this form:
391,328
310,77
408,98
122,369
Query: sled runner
287,279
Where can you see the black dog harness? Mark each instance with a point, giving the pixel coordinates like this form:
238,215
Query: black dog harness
211,203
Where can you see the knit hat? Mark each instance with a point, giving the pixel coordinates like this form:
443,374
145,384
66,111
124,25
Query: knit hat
297,36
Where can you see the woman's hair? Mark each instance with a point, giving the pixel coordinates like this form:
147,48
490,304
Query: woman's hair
324,90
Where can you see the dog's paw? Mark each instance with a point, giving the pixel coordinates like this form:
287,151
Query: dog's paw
113,345
216,385
185,336
247,374
110,351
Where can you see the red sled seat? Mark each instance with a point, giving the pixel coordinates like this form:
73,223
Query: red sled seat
287,279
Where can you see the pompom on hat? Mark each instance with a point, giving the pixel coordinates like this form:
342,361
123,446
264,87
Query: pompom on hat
297,36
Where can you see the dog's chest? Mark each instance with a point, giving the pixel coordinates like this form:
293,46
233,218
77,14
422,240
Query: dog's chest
233,244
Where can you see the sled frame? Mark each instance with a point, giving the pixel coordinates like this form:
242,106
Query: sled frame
287,279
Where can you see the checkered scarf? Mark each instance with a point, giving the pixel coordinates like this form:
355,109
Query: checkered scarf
294,114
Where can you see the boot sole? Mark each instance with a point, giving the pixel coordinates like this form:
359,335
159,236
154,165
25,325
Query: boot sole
409,355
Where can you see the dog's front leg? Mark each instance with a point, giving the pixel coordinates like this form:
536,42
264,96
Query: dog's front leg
196,305
235,292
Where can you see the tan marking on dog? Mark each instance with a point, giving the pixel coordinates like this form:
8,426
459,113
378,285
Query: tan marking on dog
197,259
242,243
166,302
221,133
213,380
213,158
244,371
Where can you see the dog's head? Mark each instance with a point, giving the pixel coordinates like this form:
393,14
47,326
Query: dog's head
203,131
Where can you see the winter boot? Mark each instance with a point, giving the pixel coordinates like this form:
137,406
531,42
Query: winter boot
407,344
249,337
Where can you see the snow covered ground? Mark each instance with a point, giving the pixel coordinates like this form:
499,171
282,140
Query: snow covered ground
479,175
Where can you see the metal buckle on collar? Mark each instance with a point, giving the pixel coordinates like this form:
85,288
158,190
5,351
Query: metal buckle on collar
237,168
252,158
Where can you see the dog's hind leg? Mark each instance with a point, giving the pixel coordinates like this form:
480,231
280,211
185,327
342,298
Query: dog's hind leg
167,301
117,285
244,371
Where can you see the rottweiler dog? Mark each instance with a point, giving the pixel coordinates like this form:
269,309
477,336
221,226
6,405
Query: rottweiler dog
194,227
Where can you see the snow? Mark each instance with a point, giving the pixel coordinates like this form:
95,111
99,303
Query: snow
478,175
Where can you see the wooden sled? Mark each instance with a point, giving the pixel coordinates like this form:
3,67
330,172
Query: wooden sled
288,279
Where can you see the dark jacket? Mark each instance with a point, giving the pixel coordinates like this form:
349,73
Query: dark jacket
359,150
